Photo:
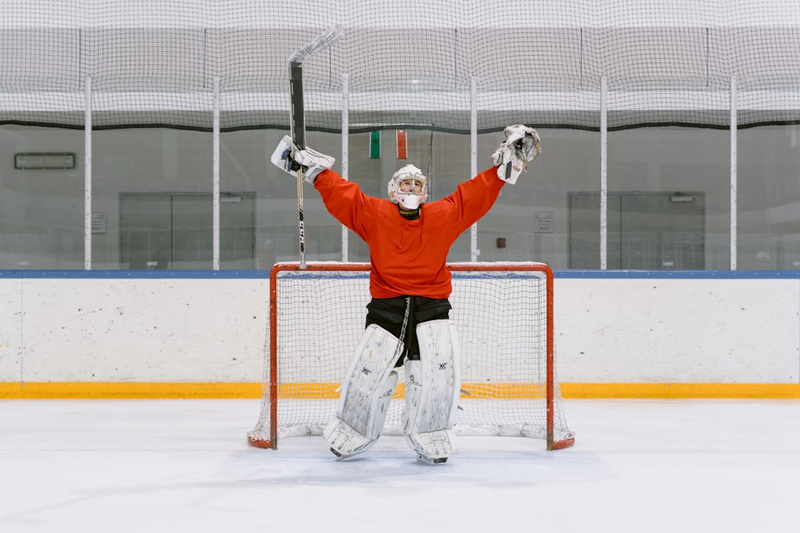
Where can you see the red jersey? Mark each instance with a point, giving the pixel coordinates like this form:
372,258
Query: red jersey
408,256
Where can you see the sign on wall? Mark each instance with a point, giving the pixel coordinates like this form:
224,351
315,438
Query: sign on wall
44,160
544,222
98,223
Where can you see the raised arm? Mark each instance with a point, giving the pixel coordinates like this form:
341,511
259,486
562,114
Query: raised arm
473,199
347,203
343,199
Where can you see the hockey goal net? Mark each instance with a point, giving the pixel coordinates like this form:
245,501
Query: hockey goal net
504,316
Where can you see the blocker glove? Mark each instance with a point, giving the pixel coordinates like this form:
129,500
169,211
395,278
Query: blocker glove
311,161
522,145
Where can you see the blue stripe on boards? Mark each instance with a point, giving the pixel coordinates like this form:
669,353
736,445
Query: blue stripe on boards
677,274
135,274
259,274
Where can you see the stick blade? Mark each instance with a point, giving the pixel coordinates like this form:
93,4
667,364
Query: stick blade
324,40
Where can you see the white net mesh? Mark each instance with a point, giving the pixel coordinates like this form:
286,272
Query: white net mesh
501,319
410,64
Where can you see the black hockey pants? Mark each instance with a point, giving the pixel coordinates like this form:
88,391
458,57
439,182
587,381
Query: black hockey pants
390,313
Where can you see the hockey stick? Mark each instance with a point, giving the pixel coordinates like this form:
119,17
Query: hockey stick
297,122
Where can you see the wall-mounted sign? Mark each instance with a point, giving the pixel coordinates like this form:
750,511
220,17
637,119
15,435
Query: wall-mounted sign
544,222
98,223
44,160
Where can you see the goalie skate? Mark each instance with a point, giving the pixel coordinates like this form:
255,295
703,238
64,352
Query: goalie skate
433,447
346,442
427,461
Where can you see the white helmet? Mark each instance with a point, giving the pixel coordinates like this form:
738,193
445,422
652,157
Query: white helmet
406,196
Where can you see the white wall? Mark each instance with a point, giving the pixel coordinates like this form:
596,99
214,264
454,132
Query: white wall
213,330
678,330
168,330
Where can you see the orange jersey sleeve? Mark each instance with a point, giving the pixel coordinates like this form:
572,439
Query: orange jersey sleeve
346,203
408,256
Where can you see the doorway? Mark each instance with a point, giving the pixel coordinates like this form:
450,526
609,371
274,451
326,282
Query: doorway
174,231
646,231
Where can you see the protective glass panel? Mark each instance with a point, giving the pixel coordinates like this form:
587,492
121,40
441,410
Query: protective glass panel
690,168
41,209
769,198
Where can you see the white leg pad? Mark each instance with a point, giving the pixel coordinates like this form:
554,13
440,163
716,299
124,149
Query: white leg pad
433,385
433,447
365,395
345,440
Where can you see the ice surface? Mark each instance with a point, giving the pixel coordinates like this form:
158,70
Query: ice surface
643,466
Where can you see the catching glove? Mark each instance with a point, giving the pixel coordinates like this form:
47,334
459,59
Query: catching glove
522,145
311,161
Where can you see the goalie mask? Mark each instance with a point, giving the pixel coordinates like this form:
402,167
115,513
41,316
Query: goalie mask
408,187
